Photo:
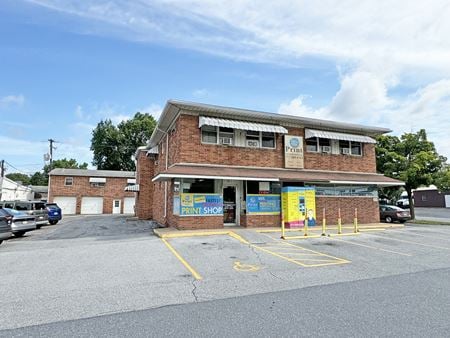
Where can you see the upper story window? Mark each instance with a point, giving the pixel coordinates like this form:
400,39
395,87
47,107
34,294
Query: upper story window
68,181
316,144
226,136
350,148
209,134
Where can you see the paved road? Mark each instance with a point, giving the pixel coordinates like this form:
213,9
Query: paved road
408,305
121,279
433,214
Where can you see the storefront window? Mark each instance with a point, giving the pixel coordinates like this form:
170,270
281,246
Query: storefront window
197,186
255,187
353,190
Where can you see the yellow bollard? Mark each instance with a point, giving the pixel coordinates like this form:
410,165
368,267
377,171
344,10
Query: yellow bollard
306,227
355,221
324,223
339,222
282,226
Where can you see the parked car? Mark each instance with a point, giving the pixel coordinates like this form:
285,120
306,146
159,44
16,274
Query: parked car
34,208
54,213
5,227
391,213
403,203
21,222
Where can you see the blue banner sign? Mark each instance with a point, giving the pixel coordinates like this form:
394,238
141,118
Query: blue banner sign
201,205
265,204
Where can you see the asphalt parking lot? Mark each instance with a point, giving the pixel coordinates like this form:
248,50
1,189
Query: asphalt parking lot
100,266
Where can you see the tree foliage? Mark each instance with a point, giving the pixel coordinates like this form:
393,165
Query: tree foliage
19,177
66,164
442,180
410,158
114,146
39,178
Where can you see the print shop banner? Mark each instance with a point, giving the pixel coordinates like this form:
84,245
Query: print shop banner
201,205
298,204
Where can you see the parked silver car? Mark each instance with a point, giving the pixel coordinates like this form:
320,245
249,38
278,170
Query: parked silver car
21,222
33,208
5,227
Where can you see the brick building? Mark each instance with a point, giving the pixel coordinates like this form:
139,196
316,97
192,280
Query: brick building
208,166
82,191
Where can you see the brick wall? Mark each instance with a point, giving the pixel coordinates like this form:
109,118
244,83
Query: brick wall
368,209
252,221
185,146
113,190
145,168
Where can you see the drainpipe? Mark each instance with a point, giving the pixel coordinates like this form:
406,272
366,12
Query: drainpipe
165,182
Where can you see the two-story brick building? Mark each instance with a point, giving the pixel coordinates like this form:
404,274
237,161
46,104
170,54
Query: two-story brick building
208,166
83,191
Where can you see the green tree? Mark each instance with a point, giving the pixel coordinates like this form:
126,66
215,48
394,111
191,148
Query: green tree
19,177
114,146
39,178
410,158
66,164
442,179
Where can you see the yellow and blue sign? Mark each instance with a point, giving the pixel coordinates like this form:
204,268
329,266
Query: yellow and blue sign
201,205
264,204
299,203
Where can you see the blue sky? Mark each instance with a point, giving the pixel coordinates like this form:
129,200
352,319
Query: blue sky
65,65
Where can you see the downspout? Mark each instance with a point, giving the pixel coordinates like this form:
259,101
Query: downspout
165,182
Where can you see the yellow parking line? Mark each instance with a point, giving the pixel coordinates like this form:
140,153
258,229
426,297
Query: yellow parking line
194,273
318,253
373,247
420,235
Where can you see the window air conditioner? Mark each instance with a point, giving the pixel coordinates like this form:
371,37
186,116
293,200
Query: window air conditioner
345,151
226,140
326,149
253,143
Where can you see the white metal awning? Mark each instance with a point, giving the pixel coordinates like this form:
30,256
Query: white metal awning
134,187
241,125
97,180
309,133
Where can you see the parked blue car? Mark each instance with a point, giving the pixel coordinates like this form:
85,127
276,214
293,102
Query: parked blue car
54,213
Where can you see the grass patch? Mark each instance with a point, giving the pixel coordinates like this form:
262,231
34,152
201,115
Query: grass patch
421,221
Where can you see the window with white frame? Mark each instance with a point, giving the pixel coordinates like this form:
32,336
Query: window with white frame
316,144
350,148
226,135
252,139
68,181
267,140
209,134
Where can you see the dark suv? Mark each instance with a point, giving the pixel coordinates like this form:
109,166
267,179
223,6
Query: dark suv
34,208
5,227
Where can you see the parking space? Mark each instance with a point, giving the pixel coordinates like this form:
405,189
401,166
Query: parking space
393,250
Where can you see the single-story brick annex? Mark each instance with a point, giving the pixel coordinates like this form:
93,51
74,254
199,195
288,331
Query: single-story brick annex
209,166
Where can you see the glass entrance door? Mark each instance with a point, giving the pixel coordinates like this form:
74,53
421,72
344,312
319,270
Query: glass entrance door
229,205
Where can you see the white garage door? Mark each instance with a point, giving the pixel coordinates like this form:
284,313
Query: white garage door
128,205
447,201
68,205
91,205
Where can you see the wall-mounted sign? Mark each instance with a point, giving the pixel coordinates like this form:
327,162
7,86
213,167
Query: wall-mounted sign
267,204
293,151
201,204
298,204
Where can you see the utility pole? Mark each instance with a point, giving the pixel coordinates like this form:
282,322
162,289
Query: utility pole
51,141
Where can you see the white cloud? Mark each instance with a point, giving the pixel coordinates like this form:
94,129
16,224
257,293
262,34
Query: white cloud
12,100
116,119
154,109
200,93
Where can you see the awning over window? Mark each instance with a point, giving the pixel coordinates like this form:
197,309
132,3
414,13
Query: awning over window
309,133
215,122
134,187
97,180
